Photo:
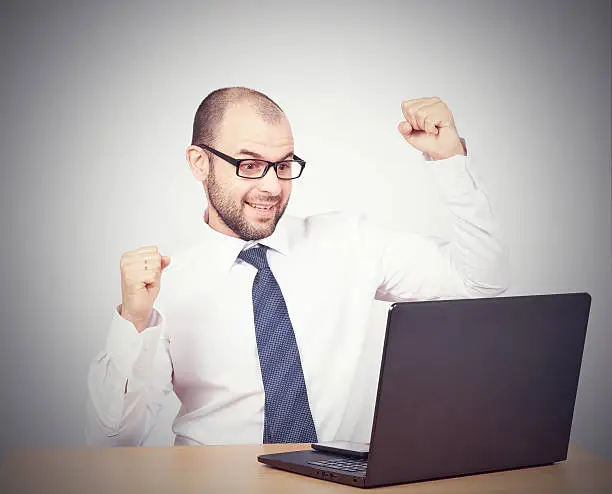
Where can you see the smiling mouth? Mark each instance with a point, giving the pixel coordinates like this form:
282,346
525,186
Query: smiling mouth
261,207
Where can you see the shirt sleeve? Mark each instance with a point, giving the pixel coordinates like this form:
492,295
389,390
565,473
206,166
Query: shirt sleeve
471,263
139,361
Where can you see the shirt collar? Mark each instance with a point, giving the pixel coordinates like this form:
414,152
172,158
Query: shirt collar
226,248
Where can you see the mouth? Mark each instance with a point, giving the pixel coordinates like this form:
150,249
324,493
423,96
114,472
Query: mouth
262,206
262,209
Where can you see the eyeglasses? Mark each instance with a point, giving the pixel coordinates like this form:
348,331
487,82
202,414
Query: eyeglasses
256,168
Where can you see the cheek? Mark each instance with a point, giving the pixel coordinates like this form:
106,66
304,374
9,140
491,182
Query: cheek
233,190
240,193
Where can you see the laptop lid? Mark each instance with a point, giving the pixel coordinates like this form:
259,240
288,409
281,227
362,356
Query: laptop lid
476,385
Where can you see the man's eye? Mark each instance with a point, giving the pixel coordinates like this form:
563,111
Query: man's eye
250,165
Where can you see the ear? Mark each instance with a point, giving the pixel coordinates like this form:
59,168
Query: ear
198,162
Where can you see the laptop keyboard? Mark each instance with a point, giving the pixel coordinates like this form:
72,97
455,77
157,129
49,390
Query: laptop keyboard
353,466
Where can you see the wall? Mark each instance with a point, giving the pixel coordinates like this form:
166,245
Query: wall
97,103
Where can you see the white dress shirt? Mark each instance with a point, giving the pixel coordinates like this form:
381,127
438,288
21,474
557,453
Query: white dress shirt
201,344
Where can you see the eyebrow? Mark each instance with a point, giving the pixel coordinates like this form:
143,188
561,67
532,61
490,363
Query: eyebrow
259,156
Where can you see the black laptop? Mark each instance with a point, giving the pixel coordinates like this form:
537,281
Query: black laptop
466,386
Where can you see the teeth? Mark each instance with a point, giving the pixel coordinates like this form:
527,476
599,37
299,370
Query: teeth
259,207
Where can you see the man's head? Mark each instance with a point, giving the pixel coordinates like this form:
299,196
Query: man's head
241,123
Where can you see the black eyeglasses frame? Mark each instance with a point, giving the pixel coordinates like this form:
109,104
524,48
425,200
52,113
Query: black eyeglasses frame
270,164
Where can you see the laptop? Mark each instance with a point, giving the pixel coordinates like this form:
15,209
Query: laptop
466,386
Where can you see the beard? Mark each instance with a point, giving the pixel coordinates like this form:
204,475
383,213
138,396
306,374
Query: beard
233,216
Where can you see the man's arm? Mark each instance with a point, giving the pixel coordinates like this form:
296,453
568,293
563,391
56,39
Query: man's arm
474,262
128,381
127,384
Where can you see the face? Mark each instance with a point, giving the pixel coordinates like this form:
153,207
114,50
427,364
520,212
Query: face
242,207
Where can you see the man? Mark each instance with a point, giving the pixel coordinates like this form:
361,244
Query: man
259,326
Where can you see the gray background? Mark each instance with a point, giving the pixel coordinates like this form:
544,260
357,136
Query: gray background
97,101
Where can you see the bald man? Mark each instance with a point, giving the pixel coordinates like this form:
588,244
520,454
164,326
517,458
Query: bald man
260,324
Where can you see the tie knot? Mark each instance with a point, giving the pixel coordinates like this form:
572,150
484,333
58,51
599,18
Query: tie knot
256,256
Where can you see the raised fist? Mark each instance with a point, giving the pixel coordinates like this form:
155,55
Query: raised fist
140,282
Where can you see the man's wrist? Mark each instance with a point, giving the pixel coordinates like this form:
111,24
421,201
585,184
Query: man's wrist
460,150
139,323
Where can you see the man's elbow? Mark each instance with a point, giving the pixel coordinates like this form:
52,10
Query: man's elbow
494,288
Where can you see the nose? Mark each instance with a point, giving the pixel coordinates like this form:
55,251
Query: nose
269,183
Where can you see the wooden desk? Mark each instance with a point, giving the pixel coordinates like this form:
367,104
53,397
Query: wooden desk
234,469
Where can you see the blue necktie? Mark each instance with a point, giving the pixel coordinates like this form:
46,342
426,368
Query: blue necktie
287,417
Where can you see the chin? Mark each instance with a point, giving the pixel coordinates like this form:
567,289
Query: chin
259,233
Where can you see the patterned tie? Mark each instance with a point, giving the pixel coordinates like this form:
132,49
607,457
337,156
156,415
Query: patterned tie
287,417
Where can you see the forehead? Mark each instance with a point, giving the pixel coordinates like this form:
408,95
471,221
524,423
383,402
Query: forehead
243,127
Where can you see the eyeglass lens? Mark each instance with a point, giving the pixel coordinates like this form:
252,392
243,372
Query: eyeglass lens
256,168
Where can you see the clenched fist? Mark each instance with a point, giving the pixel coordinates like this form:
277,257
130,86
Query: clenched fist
140,280
430,128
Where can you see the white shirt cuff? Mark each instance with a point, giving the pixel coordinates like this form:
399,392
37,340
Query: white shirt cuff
126,345
455,176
